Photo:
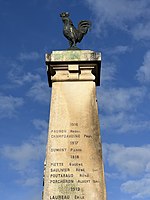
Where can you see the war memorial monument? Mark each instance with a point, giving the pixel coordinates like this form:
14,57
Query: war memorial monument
74,166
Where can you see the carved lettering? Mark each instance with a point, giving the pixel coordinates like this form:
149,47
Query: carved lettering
66,136
84,175
74,142
58,150
95,181
74,124
87,136
58,131
61,175
75,150
59,170
83,181
80,170
74,156
59,197
75,189
76,164
61,181
74,131
79,197
57,164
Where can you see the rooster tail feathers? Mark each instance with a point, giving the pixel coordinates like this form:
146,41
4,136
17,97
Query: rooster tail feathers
84,25
83,28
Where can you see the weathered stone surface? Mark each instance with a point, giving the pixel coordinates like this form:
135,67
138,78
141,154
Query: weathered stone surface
74,166
77,55
76,65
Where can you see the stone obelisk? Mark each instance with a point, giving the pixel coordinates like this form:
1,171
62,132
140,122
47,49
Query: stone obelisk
74,166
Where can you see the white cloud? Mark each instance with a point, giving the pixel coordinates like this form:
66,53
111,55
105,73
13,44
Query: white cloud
124,122
108,72
24,158
141,31
33,181
123,14
26,78
112,175
21,155
128,161
140,189
143,73
131,161
37,196
118,12
148,167
120,49
40,124
9,105
29,56
120,99
17,76
119,109
39,92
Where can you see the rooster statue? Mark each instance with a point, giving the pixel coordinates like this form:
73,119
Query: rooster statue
71,33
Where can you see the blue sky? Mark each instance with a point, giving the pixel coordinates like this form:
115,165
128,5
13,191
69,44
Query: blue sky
121,31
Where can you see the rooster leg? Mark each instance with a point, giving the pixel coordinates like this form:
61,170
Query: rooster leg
74,44
70,43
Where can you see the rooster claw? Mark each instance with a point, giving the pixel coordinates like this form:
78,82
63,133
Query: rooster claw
74,48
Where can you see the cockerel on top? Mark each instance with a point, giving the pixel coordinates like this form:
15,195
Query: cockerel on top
71,33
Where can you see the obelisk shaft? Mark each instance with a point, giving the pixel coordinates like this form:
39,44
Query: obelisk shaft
74,166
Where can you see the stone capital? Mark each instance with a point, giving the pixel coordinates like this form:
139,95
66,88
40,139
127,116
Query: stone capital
77,65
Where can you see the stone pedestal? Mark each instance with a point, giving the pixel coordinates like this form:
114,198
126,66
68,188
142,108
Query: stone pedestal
74,166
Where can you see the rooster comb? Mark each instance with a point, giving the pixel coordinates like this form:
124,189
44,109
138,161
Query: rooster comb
64,14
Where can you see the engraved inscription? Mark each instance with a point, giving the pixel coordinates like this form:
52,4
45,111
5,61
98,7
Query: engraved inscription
58,150
62,173
73,124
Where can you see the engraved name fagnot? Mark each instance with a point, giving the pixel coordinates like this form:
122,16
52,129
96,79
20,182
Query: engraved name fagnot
58,131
